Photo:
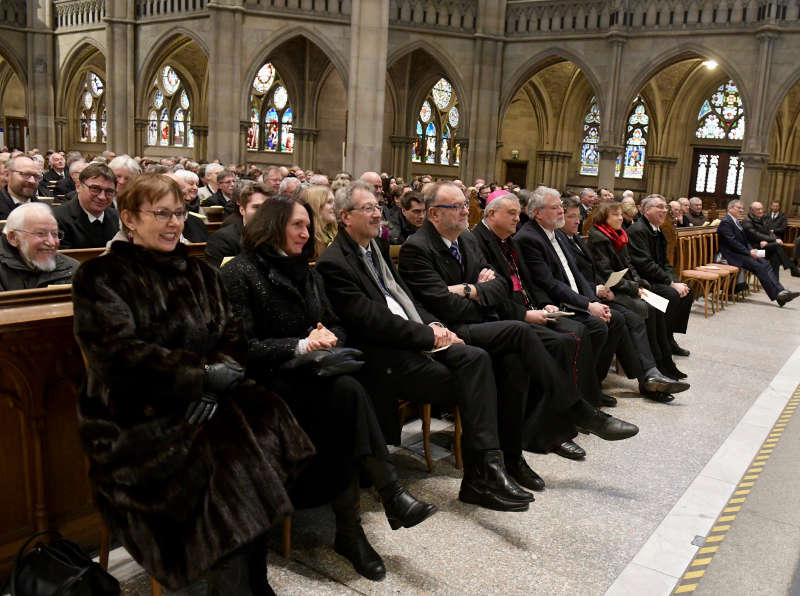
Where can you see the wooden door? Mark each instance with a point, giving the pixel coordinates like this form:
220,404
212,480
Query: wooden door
16,129
516,172
716,176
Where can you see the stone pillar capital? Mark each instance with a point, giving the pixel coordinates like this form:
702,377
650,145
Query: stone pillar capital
401,141
754,160
305,133
200,130
609,151
140,123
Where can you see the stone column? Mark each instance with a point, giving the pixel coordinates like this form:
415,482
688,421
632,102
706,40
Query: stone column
61,124
225,74
401,155
751,176
139,138
608,165
41,76
757,131
305,143
200,141
658,169
463,143
120,75
366,84
611,133
244,127
484,105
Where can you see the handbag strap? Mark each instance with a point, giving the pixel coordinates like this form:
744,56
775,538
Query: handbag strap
21,553
64,589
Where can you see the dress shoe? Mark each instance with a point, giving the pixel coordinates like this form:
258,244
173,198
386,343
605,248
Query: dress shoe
658,396
404,511
607,427
662,384
570,450
795,271
486,483
668,369
522,473
608,401
786,296
356,549
678,351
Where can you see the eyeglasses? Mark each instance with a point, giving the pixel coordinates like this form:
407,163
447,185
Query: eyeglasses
464,205
164,215
44,235
29,175
98,190
367,208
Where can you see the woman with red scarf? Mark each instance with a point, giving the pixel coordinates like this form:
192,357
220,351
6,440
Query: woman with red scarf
608,242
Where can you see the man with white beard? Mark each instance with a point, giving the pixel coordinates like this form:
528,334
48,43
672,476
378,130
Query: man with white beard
29,256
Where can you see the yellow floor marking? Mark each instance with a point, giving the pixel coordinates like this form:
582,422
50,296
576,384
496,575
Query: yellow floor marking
742,492
755,470
762,457
726,518
694,574
707,549
715,538
750,477
722,528
766,451
731,509
700,562
686,588
739,500
745,484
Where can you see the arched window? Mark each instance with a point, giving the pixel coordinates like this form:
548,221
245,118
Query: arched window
437,127
170,116
591,136
722,116
631,162
271,113
92,110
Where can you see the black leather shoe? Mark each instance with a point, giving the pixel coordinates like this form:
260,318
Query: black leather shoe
668,369
356,549
520,471
608,401
607,427
679,351
662,384
404,511
658,396
786,296
795,271
486,483
570,450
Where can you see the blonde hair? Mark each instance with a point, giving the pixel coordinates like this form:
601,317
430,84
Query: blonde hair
316,196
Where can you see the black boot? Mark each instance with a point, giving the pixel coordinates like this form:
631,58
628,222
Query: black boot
667,366
522,473
351,542
402,509
676,349
486,483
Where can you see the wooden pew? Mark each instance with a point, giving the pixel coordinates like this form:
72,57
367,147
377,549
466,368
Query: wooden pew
195,249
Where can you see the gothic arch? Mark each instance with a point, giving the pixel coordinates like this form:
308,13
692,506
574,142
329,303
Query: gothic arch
772,107
75,63
9,55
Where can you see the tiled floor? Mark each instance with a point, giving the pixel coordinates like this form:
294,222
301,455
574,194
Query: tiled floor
622,521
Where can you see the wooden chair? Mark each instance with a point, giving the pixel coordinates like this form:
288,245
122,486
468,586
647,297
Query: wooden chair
705,280
705,246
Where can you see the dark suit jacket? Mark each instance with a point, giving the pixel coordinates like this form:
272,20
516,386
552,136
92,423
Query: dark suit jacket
545,266
584,259
607,260
64,186
78,232
428,267
225,242
648,251
50,176
195,230
584,215
756,230
514,307
218,199
778,225
732,242
7,204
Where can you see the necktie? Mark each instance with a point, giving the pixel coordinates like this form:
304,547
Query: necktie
577,246
456,254
368,255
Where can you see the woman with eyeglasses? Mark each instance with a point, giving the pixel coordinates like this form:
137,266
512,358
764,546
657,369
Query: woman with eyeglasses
282,302
189,457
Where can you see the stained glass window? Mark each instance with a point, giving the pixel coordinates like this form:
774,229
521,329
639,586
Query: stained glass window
91,116
632,161
437,127
590,159
733,181
271,114
707,167
169,123
722,116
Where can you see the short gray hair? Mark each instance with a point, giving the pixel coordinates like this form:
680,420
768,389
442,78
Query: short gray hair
187,176
497,202
16,219
343,199
731,203
12,163
125,162
214,168
283,188
586,191
539,197
649,200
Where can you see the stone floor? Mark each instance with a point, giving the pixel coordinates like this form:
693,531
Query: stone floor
586,529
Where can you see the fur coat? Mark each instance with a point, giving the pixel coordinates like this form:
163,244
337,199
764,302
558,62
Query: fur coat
179,497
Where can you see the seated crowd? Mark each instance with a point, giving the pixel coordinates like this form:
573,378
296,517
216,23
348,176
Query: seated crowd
494,304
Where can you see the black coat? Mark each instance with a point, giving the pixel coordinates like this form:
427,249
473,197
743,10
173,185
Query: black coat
608,260
225,242
732,242
399,227
648,250
756,230
428,267
583,259
545,266
7,204
218,199
64,186
778,225
195,230
179,497
78,232
16,275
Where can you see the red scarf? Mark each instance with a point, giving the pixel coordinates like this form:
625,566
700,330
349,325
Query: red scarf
619,238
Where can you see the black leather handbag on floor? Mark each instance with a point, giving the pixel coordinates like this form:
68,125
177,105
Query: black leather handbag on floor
59,568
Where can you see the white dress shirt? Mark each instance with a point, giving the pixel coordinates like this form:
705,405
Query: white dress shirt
564,263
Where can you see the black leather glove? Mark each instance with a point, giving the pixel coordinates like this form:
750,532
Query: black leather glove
200,411
221,377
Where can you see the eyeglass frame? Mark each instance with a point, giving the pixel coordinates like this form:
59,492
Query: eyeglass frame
365,210
109,193
40,235
464,205
159,214
28,175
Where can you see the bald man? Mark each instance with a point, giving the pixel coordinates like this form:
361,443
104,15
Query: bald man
761,237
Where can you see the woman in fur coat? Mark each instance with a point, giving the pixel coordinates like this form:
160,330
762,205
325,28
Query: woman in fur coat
188,457
282,303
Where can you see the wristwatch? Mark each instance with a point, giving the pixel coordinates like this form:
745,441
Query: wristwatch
467,290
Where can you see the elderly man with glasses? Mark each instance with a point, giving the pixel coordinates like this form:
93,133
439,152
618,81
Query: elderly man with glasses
29,256
24,175
89,220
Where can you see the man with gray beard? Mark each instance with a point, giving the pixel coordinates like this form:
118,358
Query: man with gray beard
29,256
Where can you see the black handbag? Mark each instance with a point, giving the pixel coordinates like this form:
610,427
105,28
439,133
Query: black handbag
60,568
328,362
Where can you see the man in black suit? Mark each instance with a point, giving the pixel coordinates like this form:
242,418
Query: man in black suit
447,273
227,241
223,197
23,180
408,218
588,199
396,334
55,173
776,220
648,249
734,247
88,220
760,236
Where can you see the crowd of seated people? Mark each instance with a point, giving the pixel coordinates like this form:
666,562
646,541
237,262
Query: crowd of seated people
498,304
